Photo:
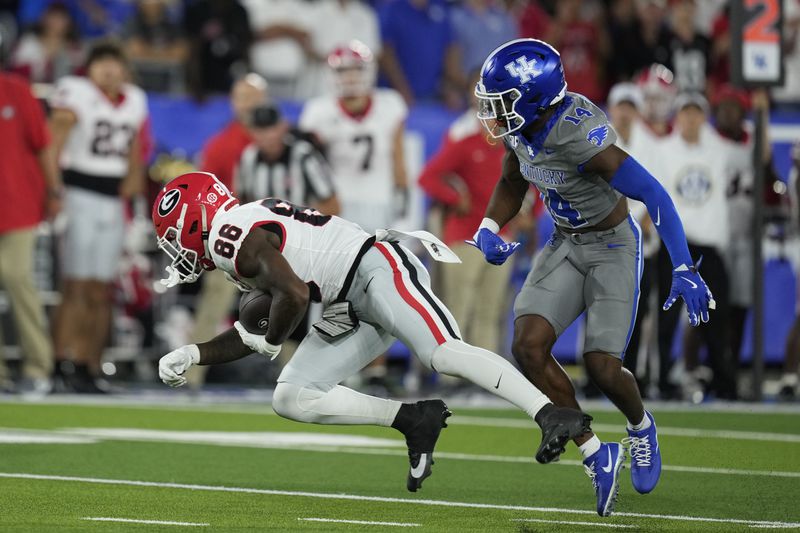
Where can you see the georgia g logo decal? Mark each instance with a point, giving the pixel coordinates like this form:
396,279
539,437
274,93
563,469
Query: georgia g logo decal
168,202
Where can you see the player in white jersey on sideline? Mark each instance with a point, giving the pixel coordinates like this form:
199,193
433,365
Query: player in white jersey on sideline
96,123
362,128
373,291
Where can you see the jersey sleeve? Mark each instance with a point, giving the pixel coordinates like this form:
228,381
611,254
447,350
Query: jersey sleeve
316,173
70,94
585,131
311,118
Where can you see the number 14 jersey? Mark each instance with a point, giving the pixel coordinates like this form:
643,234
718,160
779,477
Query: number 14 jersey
553,162
319,248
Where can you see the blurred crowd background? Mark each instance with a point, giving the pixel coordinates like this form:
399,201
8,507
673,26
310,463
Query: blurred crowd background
225,78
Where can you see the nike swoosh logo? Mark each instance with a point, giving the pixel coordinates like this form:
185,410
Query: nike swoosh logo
615,245
418,470
607,470
657,222
692,283
498,381
548,151
367,287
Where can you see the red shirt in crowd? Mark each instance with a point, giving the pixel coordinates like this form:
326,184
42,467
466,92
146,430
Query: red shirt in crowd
23,134
222,152
581,59
466,159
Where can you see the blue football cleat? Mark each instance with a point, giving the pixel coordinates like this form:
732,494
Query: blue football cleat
603,468
645,457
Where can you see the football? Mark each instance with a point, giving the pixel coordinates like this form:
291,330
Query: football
254,311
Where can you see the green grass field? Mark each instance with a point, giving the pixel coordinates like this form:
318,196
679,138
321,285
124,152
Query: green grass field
236,467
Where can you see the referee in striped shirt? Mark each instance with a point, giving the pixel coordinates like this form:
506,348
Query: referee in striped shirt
280,163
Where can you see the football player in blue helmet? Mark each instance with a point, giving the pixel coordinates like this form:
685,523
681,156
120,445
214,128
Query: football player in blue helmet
562,143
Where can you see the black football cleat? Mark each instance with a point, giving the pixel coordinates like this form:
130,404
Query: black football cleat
421,439
559,426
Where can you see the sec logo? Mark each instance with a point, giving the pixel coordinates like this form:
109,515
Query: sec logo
212,198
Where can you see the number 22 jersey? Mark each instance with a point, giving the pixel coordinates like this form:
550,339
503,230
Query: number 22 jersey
554,160
320,248
96,151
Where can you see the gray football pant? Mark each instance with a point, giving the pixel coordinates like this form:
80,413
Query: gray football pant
391,296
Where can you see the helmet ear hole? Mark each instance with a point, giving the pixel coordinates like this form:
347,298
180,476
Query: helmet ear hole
193,227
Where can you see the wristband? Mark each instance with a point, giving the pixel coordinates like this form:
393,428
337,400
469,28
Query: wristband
489,224
194,353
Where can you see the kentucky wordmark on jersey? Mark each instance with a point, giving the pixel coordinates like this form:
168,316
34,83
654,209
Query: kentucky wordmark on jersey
553,162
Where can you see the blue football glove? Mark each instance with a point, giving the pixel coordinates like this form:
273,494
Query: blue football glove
689,285
494,249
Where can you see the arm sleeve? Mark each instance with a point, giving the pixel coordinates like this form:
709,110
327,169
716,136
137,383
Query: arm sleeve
634,181
317,174
444,162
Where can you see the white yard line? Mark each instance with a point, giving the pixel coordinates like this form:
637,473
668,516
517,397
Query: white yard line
146,436
135,521
360,522
383,499
485,421
570,522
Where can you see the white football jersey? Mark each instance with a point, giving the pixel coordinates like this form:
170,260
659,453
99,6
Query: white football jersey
320,249
100,141
359,150
696,177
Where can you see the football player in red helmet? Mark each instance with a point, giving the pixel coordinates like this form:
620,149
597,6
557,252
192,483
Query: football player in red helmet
659,90
182,215
372,289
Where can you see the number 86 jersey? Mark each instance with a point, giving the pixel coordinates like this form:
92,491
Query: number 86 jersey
319,248
554,161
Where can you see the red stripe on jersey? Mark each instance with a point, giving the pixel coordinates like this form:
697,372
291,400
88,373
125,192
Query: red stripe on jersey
406,295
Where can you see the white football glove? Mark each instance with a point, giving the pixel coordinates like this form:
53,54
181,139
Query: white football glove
257,343
172,366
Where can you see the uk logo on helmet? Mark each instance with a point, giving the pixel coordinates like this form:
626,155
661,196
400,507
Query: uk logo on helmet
523,69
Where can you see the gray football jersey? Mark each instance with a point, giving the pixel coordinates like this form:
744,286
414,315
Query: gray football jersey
578,131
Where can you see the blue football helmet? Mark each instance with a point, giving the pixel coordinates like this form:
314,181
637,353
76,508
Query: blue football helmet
519,81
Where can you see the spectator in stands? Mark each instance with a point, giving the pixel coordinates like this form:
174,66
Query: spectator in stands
336,23
653,30
461,177
720,68
220,156
155,44
480,26
686,51
629,55
94,18
533,20
583,46
32,191
51,49
219,43
694,164
633,136
789,94
420,55
283,47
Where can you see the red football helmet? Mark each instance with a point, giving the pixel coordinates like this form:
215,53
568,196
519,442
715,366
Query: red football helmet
353,68
182,215
659,90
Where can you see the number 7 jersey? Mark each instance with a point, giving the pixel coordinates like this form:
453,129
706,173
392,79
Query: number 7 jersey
554,161
319,248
